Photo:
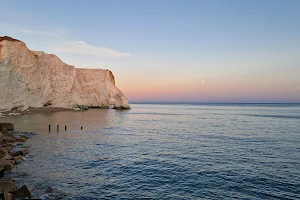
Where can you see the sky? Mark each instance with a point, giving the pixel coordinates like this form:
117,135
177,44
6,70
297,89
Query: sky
189,50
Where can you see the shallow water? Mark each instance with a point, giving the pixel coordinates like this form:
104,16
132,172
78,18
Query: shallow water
165,152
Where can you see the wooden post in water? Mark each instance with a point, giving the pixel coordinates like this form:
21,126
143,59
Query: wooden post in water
57,127
49,128
81,128
65,127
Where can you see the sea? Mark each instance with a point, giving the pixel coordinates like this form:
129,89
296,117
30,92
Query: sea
164,151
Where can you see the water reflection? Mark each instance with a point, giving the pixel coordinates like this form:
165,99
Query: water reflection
91,120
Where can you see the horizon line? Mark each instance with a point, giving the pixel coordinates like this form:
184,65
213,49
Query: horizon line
197,102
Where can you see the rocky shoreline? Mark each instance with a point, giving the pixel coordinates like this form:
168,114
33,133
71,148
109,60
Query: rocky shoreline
35,110
12,152
31,110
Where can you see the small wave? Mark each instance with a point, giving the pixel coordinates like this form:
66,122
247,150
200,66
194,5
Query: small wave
153,113
276,116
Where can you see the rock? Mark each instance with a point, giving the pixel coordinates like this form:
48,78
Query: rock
7,186
13,114
10,167
18,159
6,149
3,142
7,164
9,178
22,138
22,192
25,151
2,170
80,107
12,145
9,138
7,126
120,107
7,196
5,132
36,79
16,153
2,153
49,189
7,157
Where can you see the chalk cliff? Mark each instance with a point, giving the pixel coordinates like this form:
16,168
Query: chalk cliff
36,79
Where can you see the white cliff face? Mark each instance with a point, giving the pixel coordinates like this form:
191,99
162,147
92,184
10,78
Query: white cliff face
36,79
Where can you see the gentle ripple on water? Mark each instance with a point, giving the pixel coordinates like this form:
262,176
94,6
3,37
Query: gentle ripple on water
166,152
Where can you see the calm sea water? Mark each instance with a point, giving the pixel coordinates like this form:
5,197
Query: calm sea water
173,151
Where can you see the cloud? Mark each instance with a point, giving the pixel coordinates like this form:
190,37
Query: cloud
30,31
35,32
81,47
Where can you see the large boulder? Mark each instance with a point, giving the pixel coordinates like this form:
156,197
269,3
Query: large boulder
7,186
22,192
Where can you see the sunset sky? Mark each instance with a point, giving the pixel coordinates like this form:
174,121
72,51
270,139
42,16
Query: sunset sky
188,50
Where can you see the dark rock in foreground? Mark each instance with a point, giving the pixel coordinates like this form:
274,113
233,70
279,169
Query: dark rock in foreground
22,192
7,126
7,186
8,160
